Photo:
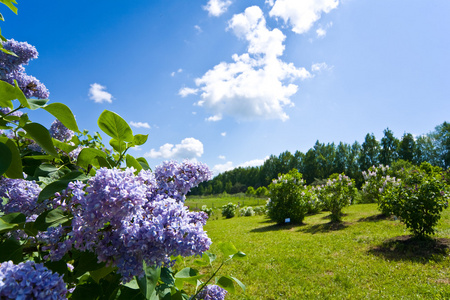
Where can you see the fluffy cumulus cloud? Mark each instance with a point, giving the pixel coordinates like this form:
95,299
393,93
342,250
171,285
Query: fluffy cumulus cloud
189,148
99,94
140,124
257,84
217,7
228,166
301,15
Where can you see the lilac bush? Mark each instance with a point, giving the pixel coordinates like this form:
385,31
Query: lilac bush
22,196
29,280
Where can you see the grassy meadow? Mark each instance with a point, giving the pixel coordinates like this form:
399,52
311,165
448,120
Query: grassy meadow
365,257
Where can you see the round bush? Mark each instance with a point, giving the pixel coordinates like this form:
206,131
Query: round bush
229,210
418,201
337,194
286,201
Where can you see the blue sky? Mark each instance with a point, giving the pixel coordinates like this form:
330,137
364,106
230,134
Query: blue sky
230,82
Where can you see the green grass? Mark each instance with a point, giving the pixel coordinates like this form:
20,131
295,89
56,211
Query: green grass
196,202
366,257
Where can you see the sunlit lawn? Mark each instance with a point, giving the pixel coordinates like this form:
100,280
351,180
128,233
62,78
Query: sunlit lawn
364,258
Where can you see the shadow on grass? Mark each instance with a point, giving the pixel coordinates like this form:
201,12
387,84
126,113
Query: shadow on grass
375,218
330,226
276,227
414,249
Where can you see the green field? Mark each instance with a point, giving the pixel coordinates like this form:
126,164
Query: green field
365,257
196,202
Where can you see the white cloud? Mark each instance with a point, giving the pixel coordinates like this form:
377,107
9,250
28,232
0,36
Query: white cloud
318,67
136,148
220,168
254,85
222,157
198,28
214,118
140,124
301,15
228,166
98,94
254,163
186,91
217,7
223,134
322,31
189,148
174,73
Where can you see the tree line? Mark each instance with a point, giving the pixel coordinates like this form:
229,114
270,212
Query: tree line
322,160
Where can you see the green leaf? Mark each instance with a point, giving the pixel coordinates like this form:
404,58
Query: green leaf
143,162
140,139
239,255
86,262
50,218
42,137
226,283
132,162
239,283
61,184
113,125
227,248
37,103
5,158
132,284
7,93
89,156
15,168
10,4
11,221
147,283
101,273
211,256
86,291
63,113
20,95
63,146
119,146
189,275
10,250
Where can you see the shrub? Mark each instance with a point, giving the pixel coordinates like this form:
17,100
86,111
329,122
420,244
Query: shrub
311,195
419,200
246,212
337,194
209,211
260,210
286,201
262,191
374,179
229,210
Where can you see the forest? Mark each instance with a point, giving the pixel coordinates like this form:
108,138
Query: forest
322,160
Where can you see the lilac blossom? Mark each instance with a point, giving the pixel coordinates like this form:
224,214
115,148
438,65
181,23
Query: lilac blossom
74,153
176,179
212,292
9,63
60,132
125,219
29,280
11,68
22,196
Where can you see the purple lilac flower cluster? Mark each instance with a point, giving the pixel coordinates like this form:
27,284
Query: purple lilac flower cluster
212,292
176,179
125,219
22,196
11,68
60,132
29,280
